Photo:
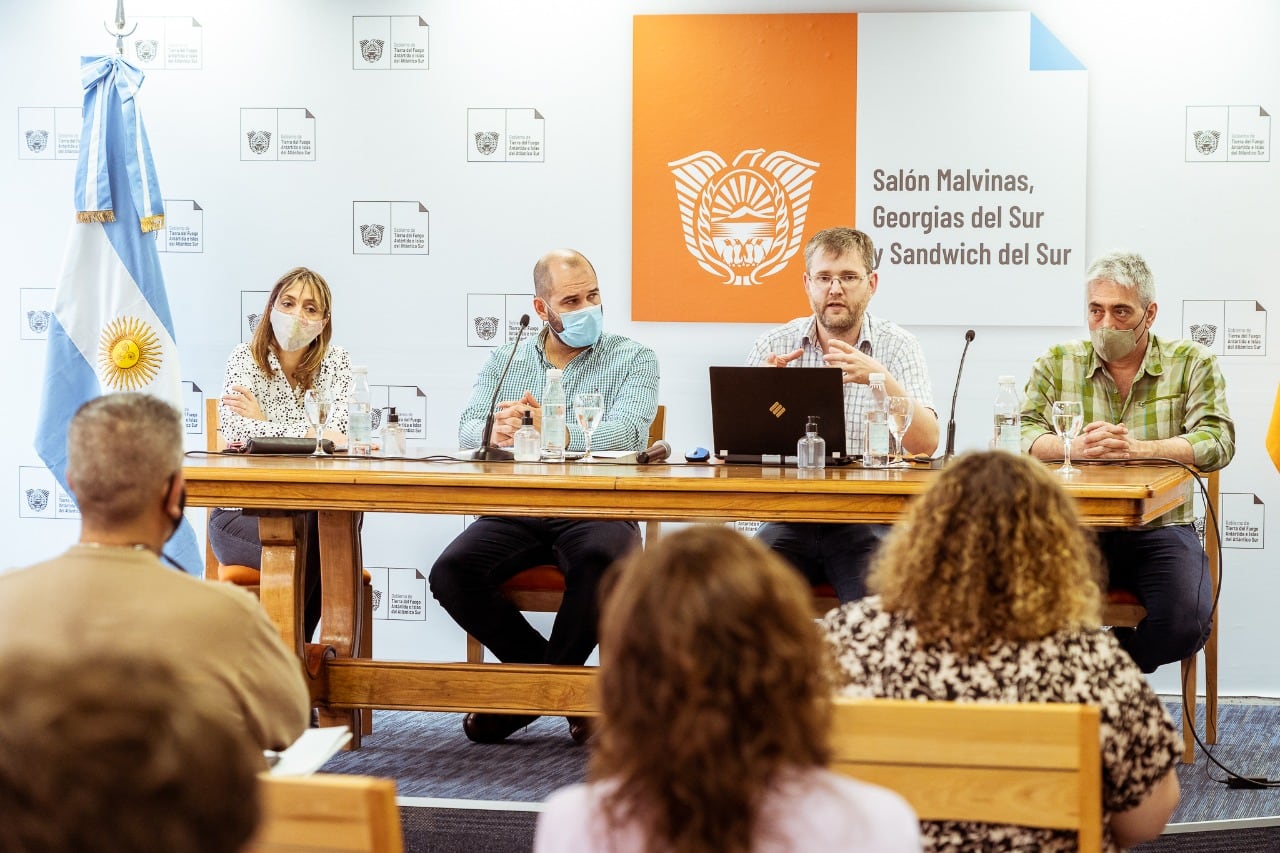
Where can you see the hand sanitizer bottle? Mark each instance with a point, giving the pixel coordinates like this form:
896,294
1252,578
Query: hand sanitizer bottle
811,449
392,435
528,442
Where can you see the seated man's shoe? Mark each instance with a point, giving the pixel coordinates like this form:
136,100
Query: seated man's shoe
581,729
493,728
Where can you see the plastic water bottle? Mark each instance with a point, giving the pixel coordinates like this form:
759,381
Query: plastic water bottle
360,414
875,447
528,444
553,412
1008,417
811,449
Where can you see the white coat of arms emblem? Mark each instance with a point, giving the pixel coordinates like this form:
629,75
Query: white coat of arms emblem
743,221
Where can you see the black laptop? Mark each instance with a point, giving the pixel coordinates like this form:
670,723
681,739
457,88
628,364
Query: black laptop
759,413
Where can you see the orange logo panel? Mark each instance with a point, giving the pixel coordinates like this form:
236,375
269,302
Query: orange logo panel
743,144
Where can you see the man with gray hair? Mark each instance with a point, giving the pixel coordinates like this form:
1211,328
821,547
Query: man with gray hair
110,592
1144,397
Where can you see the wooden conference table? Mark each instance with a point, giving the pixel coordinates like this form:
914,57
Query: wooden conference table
340,488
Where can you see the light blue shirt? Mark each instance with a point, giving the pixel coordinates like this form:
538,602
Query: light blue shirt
624,371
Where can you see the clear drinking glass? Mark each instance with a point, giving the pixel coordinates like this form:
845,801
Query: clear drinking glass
900,411
1068,419
588,409
319,408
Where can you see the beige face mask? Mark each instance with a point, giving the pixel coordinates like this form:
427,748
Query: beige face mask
1116,344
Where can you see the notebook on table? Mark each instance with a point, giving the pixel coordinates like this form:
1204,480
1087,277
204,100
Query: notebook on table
759,413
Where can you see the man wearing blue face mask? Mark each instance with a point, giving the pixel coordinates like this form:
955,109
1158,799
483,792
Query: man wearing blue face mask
466,576
1143,397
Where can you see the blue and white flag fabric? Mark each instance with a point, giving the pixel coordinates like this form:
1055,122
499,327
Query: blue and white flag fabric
111,329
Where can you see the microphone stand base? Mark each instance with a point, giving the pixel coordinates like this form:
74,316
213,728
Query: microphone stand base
492,454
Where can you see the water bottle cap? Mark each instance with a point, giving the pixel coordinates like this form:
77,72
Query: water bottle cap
527,420
1007,380
876,377
392,417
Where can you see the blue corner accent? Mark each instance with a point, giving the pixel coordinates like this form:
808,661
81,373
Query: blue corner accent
1047,53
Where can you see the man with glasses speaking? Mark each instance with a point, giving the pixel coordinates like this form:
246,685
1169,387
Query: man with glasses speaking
839,280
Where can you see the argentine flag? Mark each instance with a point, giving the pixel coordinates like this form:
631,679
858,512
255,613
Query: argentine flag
111,329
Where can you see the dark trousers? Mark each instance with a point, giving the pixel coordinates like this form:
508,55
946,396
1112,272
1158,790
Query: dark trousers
1167,570
234,538
838,554
466,578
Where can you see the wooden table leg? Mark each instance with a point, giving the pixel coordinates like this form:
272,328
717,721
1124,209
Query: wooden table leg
284,556
341,579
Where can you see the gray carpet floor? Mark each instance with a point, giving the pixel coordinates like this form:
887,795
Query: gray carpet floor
429,757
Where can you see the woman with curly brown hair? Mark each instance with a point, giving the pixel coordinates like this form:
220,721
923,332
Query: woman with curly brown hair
989,590
716,706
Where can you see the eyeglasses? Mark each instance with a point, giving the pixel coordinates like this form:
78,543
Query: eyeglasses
846,280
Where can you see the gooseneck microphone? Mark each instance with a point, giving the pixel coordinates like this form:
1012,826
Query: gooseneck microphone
487,452
659,451
951,424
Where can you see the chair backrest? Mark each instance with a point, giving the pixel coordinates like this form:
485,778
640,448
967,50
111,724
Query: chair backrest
1031,764
327,812
658,429
212,442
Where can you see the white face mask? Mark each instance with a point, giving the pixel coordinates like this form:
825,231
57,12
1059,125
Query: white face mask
292,332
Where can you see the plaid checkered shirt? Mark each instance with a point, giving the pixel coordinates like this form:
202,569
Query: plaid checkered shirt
891,345
1179,391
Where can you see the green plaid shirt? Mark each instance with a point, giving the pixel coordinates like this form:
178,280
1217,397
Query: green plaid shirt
1178,392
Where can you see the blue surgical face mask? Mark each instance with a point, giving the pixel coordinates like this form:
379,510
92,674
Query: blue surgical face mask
582,328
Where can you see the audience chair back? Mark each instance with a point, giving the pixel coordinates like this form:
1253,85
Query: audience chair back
328,813
1033,764
1121,609
541,589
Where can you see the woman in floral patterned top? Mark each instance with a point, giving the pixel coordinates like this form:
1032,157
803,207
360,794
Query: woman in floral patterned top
989,590
262,395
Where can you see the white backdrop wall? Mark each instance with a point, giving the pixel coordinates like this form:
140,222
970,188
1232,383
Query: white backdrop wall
1209,230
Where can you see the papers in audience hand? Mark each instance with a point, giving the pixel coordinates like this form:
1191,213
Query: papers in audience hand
309,752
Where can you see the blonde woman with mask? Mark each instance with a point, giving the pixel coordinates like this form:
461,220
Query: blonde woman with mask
262,395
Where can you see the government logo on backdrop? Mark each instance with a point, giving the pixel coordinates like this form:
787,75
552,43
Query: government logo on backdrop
762,150
743,221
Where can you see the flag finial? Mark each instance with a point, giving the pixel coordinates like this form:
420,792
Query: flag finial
119,32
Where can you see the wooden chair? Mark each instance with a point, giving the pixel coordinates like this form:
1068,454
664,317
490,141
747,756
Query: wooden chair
541,588
327,813
1122,610
1030,764
249,578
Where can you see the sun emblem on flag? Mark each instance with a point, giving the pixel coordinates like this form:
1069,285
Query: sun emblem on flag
744,221
129,354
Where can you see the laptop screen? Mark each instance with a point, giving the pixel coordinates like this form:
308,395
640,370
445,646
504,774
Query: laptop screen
759,413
